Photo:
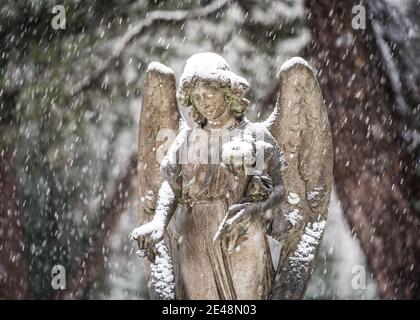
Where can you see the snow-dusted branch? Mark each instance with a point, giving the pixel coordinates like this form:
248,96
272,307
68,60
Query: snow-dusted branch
152,19
271,12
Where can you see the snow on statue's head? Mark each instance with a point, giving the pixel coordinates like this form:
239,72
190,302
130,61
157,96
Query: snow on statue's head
210,70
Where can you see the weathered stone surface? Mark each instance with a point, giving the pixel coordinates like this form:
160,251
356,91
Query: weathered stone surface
158,111
218,226
303,131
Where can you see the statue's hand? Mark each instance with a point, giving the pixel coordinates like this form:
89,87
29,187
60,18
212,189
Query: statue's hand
147,236
235,225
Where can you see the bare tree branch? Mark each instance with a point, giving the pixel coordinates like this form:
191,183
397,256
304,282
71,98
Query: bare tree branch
152,19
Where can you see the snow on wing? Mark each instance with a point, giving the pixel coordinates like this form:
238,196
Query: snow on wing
159,113
159,124
302,130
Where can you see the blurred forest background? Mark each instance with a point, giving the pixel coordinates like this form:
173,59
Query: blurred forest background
69,107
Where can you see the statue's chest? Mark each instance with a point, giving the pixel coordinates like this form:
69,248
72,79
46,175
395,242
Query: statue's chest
209,171
203,182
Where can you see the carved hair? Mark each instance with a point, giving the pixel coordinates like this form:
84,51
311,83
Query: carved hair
234,98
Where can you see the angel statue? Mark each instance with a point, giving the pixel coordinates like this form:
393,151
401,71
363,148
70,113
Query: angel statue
217,189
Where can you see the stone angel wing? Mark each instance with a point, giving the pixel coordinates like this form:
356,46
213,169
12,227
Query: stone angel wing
159,120
302,129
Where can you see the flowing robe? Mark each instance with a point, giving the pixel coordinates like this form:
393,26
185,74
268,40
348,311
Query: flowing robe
204,269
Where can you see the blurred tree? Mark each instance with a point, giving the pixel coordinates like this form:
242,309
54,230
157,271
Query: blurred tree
13,265
376,155
69,105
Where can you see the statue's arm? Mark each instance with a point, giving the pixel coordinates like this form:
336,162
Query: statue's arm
170,190
152,232
240,215
273,163
276,195
273,167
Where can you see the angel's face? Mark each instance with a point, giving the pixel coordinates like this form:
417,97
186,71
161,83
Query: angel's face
208,100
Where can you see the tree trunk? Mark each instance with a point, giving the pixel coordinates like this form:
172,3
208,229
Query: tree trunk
372,159
14,282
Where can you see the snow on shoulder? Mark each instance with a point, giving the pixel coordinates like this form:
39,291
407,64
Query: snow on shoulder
292,62
161,68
